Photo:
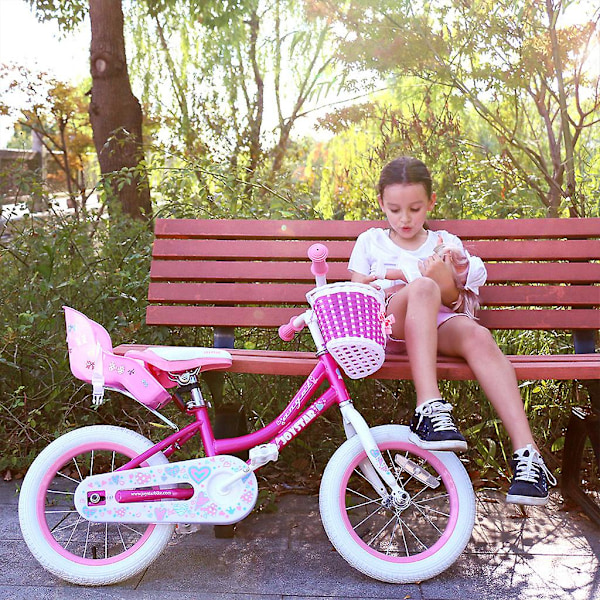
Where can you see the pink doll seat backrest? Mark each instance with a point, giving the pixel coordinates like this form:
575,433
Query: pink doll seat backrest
91,353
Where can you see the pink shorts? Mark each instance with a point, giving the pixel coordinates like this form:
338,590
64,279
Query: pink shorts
395,346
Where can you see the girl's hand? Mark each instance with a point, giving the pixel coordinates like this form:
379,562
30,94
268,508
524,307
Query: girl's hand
395,275
360,278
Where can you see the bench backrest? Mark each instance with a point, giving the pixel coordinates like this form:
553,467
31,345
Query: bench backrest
251,273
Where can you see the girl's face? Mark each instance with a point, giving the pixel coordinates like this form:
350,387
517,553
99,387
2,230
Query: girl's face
406,207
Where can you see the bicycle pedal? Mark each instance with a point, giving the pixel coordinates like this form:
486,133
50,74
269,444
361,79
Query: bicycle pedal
261,455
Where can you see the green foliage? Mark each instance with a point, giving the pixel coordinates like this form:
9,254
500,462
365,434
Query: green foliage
237,76
54,113
99,269
520,67
469,182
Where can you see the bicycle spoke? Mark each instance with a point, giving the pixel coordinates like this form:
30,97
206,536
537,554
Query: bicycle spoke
362,505
392,537
370,516
361,474
380,531
432,510
125,526
72,533
404,538
438,497
61,492
87,537
357,493
121,536
78,471
69,478
426,517
59,512
56,529
413,534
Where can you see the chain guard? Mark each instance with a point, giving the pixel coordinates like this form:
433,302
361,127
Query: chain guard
96,497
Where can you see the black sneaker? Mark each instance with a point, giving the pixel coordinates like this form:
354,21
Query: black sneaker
432,427
530,478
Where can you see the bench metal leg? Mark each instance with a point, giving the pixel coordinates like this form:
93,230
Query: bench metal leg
584,425
230,419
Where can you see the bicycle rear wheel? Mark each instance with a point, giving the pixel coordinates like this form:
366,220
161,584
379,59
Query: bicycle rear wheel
417,536
65,543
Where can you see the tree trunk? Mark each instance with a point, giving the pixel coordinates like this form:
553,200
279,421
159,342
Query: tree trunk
115,113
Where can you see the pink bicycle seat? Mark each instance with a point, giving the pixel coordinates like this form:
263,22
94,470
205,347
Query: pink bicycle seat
176,359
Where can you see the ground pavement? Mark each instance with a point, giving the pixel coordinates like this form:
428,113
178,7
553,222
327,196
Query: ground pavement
285,555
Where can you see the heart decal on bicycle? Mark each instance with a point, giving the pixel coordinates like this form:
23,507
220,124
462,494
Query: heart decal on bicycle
199,474
172,471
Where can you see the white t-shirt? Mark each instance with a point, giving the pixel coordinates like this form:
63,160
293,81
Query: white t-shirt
374,249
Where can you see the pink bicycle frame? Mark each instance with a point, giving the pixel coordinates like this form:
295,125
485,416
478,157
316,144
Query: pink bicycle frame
280,432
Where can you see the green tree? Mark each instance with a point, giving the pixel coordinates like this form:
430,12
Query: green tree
519,64
240,75
115,113
56,114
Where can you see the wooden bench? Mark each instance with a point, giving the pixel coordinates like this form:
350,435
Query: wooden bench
542,275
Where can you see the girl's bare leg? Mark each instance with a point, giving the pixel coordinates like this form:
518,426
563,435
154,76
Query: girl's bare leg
463,337
415,308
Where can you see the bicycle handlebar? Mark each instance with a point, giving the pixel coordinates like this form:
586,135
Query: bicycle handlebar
318,255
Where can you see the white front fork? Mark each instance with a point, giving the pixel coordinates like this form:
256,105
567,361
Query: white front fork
375,470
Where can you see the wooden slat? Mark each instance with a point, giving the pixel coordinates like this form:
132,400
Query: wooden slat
261,316
540,295
273,293
323,230
562,366
192,249
181,270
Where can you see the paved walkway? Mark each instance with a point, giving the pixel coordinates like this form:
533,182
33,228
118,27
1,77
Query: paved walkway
285,555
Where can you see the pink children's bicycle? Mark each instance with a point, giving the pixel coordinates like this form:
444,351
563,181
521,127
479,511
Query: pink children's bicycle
100,503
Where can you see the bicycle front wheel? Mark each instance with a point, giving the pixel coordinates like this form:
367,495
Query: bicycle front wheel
65,543
412,538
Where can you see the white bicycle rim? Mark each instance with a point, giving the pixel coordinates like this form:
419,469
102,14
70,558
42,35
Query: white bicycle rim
413,540
63,542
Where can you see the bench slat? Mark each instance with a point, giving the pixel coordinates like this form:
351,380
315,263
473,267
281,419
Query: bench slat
213,270
192,249
261,316
323,230
561,366
273,293
398,367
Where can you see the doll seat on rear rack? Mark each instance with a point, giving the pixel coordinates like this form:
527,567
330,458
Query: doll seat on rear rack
92,360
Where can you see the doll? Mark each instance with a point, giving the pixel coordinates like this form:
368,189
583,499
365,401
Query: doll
408,269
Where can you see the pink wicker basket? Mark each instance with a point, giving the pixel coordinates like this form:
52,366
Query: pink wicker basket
350,316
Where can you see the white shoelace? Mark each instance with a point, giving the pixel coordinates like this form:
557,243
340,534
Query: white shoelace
439,413
528,467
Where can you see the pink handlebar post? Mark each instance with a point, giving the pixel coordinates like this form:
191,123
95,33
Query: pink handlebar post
287,331
318,255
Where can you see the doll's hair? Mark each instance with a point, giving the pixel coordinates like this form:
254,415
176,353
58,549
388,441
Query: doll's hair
468,301
405,170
